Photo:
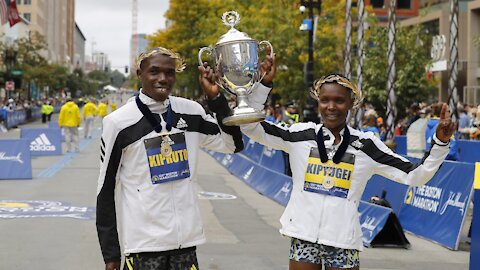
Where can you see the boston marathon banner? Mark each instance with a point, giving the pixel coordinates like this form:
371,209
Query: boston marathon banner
15,160
438,209
43,141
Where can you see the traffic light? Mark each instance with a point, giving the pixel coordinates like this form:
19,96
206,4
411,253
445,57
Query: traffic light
126,69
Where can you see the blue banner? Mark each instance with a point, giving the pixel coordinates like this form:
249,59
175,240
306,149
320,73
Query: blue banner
55,125
475,229
372,220
395,191
15,159
469,150
43,141
438,209
273,159
253,150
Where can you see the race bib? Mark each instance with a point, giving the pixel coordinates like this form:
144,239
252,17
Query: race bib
167,158
329,178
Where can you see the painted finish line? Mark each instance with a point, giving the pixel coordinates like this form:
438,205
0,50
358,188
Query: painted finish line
10,209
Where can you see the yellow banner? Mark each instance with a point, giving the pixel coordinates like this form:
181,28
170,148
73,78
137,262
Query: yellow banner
476,181
341,173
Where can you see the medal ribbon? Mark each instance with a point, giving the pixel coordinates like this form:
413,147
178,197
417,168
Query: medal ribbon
322,151
157,125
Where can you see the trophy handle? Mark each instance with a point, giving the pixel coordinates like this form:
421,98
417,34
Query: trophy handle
271,53
200,52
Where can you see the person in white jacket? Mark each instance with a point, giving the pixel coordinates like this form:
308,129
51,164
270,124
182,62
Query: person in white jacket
149,148
331,164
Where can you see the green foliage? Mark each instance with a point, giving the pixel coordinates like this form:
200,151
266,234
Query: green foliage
197,23
412,56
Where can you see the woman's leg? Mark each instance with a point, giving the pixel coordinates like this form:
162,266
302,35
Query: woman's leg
294,265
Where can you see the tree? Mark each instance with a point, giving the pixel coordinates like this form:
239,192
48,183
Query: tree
196,23
412,56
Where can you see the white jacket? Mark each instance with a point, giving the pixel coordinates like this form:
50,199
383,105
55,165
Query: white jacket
154,217
328,219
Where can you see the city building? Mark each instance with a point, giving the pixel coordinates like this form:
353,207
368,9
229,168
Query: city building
55,20
435,16
142,43
79,56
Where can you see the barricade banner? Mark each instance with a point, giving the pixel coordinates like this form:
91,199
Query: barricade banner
395,191
55,125
253,150
273,159
15,159
401,142
468,150
372,219
43,141
437,210
475,237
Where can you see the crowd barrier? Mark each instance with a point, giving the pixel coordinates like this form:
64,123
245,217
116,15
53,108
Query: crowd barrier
43,141
15,159
475,238
17,117
435,211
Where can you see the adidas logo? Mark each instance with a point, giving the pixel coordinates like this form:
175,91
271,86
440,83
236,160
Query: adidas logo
182,123
42,143
357,144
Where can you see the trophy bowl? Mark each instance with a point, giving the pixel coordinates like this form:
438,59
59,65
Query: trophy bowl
236,64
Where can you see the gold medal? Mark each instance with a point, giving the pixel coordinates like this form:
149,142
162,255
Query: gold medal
165,148
328,182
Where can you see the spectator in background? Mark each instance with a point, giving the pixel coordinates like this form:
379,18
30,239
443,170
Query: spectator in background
50,110
113,106
89,112
70,120
44,110
290,115
431,128
464,123
413,114
371,125
102,109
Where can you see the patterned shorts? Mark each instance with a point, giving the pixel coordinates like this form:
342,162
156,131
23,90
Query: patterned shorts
304,251
179,259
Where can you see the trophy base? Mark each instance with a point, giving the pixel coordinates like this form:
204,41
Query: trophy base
245,118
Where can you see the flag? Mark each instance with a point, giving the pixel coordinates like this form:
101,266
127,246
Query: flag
13,17
3,12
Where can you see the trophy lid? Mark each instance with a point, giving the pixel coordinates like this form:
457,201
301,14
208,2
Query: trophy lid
232,18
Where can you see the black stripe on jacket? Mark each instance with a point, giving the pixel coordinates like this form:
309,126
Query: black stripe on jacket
286,135
380,156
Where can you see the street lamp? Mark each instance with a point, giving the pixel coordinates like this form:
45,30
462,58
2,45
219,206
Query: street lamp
311,5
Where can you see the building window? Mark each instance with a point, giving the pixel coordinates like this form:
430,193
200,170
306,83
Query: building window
378,3
19,2
27,2
27,16
404,4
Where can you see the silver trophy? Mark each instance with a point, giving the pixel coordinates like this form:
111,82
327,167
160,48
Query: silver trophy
237,68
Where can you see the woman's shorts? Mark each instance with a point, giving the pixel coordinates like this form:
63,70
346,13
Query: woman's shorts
304,251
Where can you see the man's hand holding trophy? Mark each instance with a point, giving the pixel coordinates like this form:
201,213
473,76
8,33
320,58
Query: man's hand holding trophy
236,69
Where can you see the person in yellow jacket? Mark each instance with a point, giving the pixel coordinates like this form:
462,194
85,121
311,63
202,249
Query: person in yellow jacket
44,110
70,120
50,110
102,110
89,112
113,106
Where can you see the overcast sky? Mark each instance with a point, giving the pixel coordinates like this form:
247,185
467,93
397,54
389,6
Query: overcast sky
108,23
